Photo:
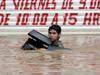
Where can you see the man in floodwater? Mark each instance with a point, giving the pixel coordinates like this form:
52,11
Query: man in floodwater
54,33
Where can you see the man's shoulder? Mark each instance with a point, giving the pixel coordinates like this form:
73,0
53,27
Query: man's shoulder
60,44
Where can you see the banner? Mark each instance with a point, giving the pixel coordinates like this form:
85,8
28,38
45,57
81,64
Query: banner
43,13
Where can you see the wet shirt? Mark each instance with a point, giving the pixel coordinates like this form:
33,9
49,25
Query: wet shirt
55,45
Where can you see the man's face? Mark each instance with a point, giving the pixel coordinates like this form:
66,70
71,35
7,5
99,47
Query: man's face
53,35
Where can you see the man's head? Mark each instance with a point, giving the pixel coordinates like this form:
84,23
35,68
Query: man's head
54,32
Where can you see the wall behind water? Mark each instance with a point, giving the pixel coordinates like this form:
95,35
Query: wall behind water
79,19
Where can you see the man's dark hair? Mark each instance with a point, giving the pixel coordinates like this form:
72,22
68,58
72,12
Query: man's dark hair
55,27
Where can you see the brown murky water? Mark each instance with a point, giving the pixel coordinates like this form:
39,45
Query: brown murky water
83,59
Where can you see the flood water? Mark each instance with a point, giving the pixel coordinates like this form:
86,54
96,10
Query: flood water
83,59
